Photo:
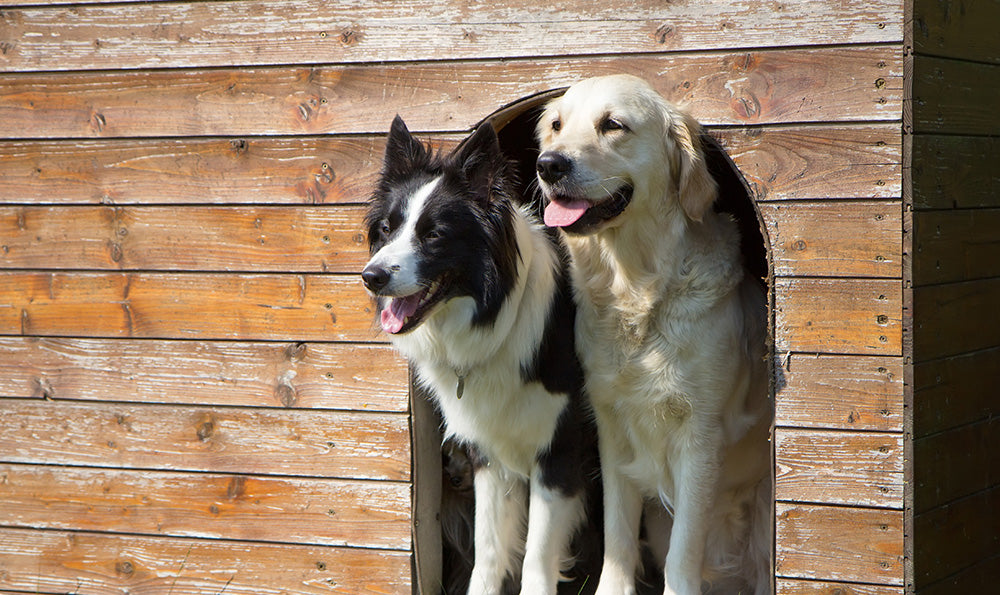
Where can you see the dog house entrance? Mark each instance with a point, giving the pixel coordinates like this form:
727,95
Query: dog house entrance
440,485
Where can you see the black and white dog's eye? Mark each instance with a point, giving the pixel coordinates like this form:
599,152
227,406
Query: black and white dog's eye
385,228
556,125
610,125
432,235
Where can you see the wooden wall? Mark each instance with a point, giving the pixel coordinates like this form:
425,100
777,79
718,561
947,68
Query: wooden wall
954,168
194,399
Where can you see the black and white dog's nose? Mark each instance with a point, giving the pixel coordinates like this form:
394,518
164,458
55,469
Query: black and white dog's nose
375,277
552,166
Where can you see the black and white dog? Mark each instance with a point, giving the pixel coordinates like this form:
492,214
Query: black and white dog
474,292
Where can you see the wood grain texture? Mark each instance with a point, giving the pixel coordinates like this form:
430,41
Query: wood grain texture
962,31
840,392
807,238
326,444
314,170
810,85
795,162
980,577
173,34
835,239
955,172
956,245
298,375
951,538
63,562
845,468
186,306
954,391
240,507
956,463
252,239
955,318
848,316
804,587
951,97
835,543
852,161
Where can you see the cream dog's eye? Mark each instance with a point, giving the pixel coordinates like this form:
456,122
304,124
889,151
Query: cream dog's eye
610,124
556,125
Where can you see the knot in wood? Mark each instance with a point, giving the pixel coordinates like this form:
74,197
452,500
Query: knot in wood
124,568
205,430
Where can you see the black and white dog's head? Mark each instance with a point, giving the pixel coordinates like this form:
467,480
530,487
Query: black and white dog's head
440,228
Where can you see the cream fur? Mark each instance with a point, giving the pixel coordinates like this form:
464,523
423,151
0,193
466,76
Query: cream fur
672,342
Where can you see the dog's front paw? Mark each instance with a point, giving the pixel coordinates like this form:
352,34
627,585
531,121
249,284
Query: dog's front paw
616,585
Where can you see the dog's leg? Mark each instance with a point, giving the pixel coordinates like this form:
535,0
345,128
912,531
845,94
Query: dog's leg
696,474
553,517
622,511
499,523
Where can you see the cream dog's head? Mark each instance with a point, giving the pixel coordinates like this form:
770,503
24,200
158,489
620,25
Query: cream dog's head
612,145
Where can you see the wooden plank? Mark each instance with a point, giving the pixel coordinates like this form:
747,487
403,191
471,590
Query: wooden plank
801,85
981,577
834,543
186,306
306,376
955,463
954,391
802,587
242,507
965,32
848,316
78,562
835,239
806,238
257,239
955,172
428,551
861,161
955,318
957,245
952,537
169,35
840,392
222,440
834,467
315,170
951,97
795,162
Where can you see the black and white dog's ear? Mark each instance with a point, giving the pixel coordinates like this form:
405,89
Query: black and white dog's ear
403,152
481,159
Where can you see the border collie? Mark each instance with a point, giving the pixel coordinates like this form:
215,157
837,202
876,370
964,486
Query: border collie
474,292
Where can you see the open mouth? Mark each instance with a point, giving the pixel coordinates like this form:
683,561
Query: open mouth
579,216
404,313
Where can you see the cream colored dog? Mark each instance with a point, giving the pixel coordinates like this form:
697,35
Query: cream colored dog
671,334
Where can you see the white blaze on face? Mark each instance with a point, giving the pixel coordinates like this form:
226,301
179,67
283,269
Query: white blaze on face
399,256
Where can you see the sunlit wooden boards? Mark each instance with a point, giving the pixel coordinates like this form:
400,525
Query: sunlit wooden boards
194,398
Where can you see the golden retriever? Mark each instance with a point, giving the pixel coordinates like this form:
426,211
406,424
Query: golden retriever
671,334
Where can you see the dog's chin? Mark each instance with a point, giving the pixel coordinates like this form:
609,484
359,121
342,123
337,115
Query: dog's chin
599,214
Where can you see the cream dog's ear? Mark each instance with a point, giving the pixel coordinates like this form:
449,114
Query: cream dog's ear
696,190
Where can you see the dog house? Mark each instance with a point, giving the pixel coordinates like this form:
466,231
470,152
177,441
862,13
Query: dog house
194,399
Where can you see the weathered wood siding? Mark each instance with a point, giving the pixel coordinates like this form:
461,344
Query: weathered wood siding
953,290
194,398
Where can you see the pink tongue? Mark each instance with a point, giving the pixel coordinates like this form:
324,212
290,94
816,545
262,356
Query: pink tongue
399,309
561,214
